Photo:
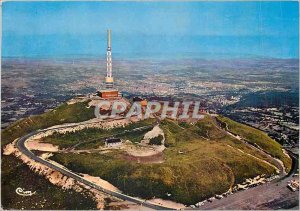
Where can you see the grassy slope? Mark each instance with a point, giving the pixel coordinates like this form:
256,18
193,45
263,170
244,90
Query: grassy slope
63,114
258,137
48,196
12,168
94,135
206,167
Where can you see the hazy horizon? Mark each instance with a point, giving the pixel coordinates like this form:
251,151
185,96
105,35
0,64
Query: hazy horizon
151,29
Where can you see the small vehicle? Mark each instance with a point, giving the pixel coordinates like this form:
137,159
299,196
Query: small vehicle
199,204
291,187
210,199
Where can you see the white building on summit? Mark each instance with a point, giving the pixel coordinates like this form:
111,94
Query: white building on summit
113,142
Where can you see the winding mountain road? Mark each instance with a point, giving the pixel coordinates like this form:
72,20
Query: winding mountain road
272,195
22,147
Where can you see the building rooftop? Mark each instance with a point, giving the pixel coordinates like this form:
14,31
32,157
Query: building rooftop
108,90
112,140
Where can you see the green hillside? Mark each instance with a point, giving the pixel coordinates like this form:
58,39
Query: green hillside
201,160
92,136
64,113
16,174
258,137
48,196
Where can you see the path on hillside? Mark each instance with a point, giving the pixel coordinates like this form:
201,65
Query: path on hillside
272,195
279,165
112,135
256,158
259,197
22,147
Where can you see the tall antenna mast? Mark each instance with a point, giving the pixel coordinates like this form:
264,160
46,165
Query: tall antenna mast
109,92
109,80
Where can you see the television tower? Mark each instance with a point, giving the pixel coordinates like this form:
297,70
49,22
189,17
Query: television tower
109,80
109,92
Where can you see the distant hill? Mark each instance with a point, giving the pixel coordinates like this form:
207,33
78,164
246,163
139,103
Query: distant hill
269,99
